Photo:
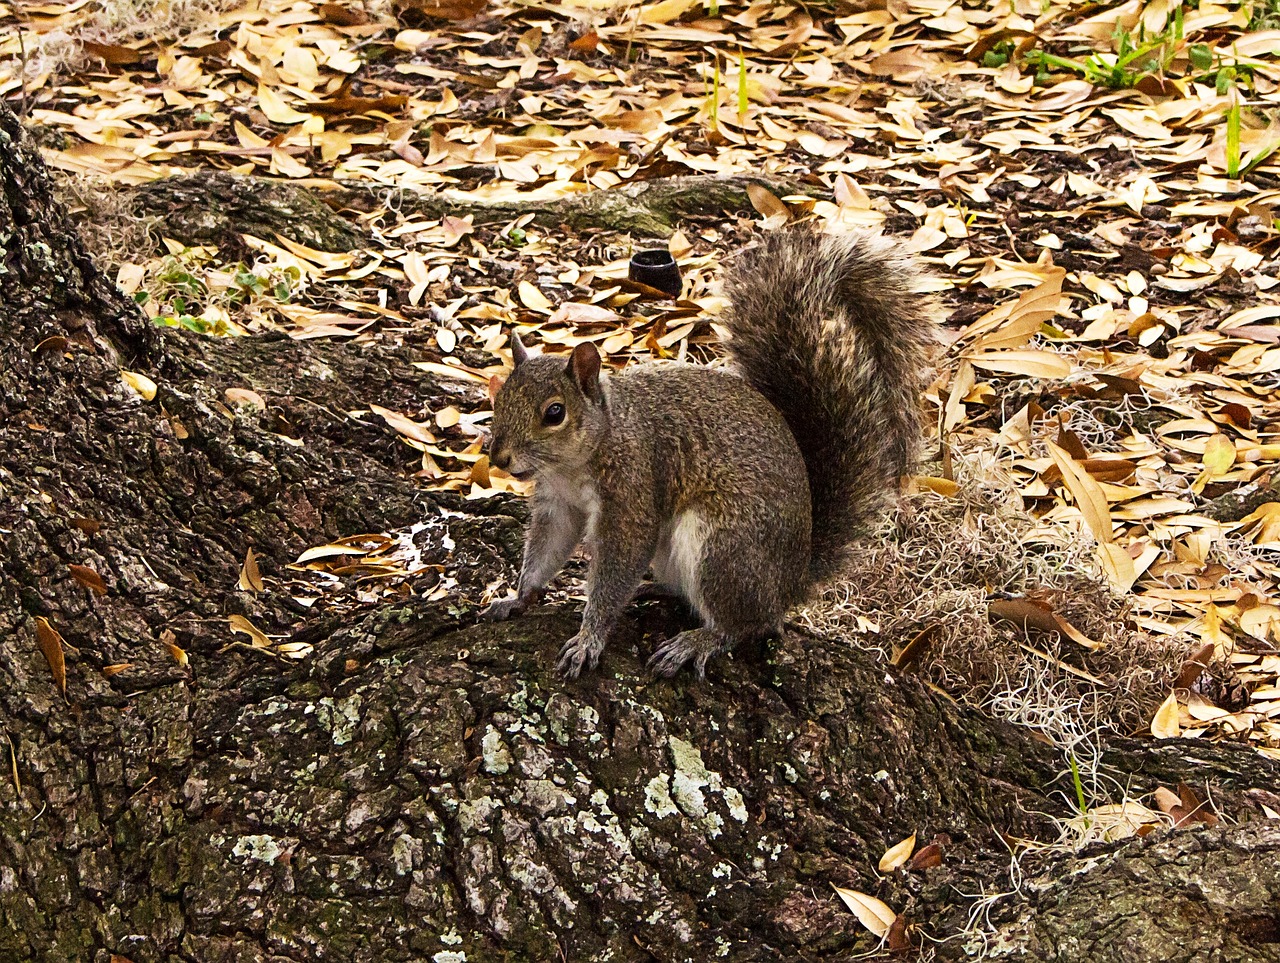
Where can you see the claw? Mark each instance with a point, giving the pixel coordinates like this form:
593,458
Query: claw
578,653
696,646
503,609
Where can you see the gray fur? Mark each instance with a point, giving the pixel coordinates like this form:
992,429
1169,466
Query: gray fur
835,332
698,473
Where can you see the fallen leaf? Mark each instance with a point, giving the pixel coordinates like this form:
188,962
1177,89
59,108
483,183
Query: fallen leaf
245,396
871,912
88,578
1164,725
250,578
532,298
928,857
243,626
897,854
405,425
775,212
141,384
50,643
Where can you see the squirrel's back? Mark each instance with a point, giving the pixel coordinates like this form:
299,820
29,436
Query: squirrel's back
835,331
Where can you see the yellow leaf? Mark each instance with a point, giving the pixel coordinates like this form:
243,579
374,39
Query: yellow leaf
939,486
1118,566
665,10
1219,455
277,111
1087,493
960,387
897,854
871,912
140,383
1031,364
1212,632
1024,319
1165,723
532,298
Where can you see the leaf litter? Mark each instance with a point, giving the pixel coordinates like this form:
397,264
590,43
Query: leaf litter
1093,189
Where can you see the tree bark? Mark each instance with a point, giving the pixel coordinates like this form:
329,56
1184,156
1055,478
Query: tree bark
212,207
422,787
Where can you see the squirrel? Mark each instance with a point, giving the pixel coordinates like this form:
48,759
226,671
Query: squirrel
741,488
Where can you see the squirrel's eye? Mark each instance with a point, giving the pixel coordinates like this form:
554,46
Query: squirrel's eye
554,414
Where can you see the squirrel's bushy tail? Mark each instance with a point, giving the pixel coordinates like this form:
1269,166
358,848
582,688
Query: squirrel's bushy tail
834,331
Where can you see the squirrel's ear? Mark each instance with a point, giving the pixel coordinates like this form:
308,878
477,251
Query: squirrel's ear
584,365
518,353
495,385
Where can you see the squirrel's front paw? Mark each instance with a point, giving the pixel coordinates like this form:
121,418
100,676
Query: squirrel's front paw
580,652
503,609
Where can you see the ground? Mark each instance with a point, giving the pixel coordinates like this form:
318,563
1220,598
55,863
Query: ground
248,711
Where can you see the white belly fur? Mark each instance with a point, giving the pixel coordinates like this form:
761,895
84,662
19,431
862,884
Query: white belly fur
678,558
579,497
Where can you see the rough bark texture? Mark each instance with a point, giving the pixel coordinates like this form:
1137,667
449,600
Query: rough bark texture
210,207
422,788
213,207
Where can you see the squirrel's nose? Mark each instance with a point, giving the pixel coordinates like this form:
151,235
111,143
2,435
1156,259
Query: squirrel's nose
500,459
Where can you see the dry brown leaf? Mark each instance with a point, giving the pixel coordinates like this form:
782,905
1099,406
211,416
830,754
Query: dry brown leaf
1194,666
250,578
915,649
243,626
1031,363
88,578
1088,494
406,426
1030,614
50,642
928,857
775,212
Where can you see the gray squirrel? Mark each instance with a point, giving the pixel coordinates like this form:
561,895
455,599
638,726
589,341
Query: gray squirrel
740,488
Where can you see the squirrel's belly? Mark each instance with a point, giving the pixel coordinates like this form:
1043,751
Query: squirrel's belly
678,558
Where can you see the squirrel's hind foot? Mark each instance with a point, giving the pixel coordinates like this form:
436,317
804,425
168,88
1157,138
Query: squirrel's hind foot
695,646
580,652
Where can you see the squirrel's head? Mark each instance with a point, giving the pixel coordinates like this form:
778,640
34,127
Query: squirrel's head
548,413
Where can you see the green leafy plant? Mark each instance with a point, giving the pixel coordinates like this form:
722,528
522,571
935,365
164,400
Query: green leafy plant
1264,15
1136,56
1233,139
186,290
744,98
